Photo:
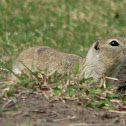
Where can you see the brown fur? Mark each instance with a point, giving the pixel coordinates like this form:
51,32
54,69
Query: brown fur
100,59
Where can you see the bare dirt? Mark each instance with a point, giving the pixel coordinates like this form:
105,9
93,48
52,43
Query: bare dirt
32,110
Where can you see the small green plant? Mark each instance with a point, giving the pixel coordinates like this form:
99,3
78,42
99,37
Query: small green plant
10,91
76,69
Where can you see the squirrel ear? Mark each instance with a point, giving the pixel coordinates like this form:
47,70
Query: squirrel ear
96,46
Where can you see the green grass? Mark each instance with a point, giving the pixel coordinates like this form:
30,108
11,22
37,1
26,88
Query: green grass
66,25
61,86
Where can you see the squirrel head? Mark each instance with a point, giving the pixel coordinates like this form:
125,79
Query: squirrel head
111,49
103,56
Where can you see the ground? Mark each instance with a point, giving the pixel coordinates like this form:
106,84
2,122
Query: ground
35,111
32,109
70,26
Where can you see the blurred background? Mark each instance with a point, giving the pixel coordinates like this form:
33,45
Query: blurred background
66,25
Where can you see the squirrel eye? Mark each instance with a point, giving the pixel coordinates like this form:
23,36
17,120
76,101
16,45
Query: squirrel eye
114,43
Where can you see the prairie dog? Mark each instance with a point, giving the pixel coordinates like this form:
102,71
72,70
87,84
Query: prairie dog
103,56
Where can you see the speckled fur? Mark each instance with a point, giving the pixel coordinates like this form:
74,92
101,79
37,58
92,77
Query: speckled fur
100,59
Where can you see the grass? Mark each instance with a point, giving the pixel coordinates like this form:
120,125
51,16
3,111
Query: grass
67,25
59,86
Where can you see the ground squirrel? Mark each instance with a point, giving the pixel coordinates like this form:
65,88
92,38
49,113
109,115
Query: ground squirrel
103,56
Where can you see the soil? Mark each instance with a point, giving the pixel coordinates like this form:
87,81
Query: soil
31,109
